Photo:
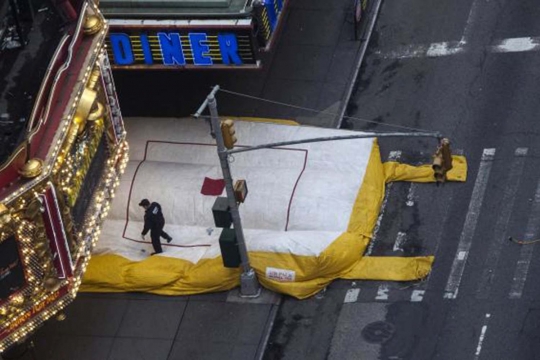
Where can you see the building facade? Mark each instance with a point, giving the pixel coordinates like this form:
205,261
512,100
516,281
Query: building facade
64,154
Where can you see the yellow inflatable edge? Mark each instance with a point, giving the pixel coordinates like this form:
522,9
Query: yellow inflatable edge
307,275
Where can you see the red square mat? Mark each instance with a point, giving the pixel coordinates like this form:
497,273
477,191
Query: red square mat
212,186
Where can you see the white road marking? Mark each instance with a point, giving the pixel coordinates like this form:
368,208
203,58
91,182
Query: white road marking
525,255
400,240
516,45
482,337
447,48
351,295
382,293
467,234
499,231
444,49
419,51
417,295
411,196
393,156
470,19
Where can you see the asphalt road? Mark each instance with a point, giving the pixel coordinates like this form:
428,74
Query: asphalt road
469,69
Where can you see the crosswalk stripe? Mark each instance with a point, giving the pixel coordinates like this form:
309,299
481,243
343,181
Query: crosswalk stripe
352,295
473,213
525,255
417,295
499,231
438,238
382,293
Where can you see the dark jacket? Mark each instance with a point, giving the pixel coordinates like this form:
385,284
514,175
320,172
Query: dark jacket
153,218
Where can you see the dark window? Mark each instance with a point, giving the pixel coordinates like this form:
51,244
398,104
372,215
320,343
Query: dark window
11,268
90,183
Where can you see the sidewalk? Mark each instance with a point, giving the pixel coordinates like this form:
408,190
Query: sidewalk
314,63
313,66
143,326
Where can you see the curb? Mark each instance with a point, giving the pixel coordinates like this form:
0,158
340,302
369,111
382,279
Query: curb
360,58
261,349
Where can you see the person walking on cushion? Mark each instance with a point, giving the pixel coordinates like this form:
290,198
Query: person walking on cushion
154,222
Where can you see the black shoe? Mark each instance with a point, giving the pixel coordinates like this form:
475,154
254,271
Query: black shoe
169,239
154,253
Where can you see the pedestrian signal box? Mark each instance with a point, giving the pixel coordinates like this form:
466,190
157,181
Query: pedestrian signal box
222,213
229,248
240,190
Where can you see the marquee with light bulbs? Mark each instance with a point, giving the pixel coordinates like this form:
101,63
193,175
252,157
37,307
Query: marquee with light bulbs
56,187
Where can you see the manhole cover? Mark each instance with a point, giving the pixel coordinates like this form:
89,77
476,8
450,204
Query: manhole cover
378,332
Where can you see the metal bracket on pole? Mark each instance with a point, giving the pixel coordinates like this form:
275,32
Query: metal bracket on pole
203,106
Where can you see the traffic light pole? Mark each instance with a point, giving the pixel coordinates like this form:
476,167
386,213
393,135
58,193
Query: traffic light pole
249,284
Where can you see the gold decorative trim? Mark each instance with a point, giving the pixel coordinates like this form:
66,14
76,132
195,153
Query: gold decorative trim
92,25
94,78
5,215
32,168
97,113
84,108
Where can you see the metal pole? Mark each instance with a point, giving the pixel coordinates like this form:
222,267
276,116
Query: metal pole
203,106
249,285
334,138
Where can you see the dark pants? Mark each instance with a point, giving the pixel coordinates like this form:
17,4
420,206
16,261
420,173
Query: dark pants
155,234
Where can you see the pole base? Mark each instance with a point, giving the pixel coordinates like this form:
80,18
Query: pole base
249,285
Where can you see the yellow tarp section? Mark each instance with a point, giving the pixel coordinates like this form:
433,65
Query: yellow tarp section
158,275
395,171
342,259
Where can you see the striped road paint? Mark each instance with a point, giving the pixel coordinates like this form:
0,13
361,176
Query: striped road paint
467,234
351,295
499,231
401,238
482,337
525,255
448,48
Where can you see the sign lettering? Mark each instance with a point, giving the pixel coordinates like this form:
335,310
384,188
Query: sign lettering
31,313
137,48
281,275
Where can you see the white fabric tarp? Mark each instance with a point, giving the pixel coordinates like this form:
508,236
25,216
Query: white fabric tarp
300,197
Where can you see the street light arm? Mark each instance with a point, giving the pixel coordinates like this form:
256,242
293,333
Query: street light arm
335,138
203,106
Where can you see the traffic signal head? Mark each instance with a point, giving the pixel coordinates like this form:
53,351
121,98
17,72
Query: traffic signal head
227,130
442,161
438,167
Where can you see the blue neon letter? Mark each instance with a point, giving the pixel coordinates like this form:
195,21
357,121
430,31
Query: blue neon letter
229,49
271,11
200,49
145,44
121,45
171,49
